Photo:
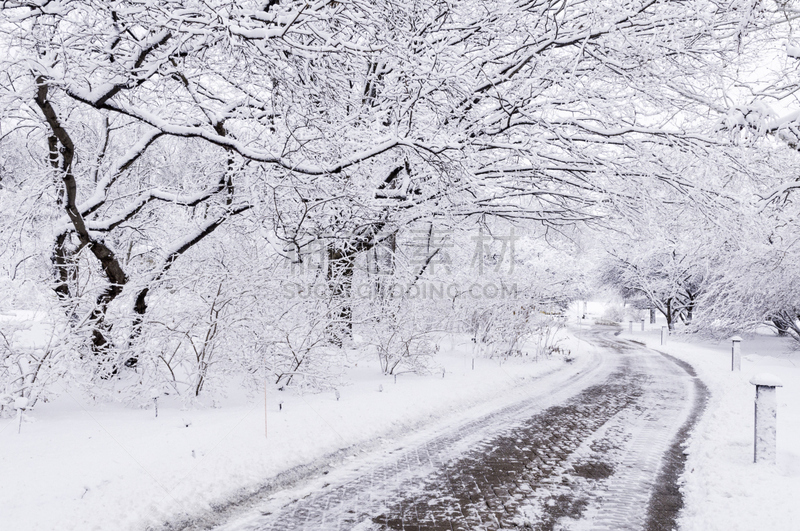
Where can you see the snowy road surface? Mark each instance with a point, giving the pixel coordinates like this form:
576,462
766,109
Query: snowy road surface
598,450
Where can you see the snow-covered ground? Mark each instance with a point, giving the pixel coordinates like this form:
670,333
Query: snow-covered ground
81,466
77,465
723,489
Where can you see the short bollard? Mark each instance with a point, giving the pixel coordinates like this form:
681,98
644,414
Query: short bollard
736,353
154,395
664,332
630,326
21,403
642,324
766,417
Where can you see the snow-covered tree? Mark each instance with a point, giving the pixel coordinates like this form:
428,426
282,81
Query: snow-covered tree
163,131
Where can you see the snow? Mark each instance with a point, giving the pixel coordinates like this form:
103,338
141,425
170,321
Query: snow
723,489
765,378
20,402
80,465
34,329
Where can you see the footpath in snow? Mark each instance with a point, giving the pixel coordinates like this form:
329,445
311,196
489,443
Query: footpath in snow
77,465
723,489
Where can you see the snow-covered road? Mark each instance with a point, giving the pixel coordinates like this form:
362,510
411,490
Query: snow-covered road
597,449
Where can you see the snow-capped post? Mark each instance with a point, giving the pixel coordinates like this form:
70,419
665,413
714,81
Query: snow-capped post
766,417
20,403
736,353
642,324
664,333
154,395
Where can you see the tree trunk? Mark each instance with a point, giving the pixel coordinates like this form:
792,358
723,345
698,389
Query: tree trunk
341,256
341,267
688,308
384,269
781,325
670,316
64,266
61,257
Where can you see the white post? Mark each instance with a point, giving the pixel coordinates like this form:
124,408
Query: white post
736,353
154,393
664,332
630,326
642,324
584,307
766,418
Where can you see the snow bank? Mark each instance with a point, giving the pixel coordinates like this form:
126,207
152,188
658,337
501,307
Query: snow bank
723,489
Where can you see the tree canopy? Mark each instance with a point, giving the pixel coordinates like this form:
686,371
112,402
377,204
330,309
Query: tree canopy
164,162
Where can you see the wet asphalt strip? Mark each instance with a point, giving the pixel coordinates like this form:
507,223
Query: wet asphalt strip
484,488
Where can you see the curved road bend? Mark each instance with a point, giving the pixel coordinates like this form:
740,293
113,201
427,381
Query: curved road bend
599,451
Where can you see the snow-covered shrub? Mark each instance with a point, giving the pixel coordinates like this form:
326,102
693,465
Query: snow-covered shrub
500,330
402,338
613,313
29,358
544,332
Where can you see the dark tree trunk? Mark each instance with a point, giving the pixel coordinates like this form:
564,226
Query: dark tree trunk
687,313
341,267
65,268
341,257
669,315
385,266
61,257
781,325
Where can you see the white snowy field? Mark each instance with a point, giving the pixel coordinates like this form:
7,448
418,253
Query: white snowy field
91,467
723,489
